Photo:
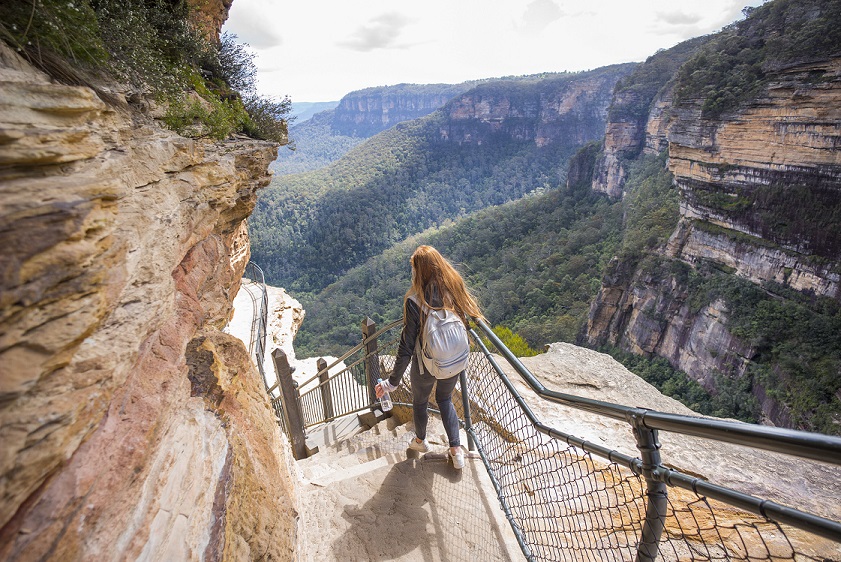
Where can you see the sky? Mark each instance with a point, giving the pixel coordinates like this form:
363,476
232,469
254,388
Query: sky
320,50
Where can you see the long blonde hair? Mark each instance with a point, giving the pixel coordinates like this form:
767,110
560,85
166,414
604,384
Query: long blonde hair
429,266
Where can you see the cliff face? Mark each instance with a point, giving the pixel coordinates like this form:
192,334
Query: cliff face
210,15
637,117
131,425
759,190
367,112
570,109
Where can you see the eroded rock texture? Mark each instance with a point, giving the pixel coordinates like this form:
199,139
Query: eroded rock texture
569,110
131,427
758,189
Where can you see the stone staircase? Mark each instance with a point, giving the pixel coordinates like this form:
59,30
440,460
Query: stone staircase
366,496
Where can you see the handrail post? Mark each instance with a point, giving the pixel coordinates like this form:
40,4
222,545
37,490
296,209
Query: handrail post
326,394
291,405
465,402
372,361
656,492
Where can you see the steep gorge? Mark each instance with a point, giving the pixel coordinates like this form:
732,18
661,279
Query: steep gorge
760,196
492,144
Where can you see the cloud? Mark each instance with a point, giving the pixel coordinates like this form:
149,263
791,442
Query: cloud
539,14
252,27
678,18
381,32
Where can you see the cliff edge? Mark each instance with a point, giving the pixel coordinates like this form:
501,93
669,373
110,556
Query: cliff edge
132,427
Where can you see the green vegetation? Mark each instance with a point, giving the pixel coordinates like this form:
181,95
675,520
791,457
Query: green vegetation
737,64
732,399
535,265
798,210
152,46
306,232
796,340
316,145
514,342
309,229
651,207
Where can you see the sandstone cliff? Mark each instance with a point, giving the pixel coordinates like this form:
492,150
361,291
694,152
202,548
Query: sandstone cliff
760,192
570,109
364,113
636,115
210,15
132,427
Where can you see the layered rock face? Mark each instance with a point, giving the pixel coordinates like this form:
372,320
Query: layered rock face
569,109
638,117
758,191
132,427
625,139
367,112
210,15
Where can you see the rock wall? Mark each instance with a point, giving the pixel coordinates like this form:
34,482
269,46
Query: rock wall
638,118
757,190
367,112
132,427
210,15
568,109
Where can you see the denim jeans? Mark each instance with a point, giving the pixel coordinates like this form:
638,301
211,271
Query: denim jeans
421,390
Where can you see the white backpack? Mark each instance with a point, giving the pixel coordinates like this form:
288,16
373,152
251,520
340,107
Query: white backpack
445,348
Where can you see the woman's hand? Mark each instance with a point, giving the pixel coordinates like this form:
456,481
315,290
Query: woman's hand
384,387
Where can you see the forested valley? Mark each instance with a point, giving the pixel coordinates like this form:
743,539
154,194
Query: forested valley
541,228
309,229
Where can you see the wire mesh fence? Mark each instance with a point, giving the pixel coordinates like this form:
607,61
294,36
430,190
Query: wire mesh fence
567,499
565,503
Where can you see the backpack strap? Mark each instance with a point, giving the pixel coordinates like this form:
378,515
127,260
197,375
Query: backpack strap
418,353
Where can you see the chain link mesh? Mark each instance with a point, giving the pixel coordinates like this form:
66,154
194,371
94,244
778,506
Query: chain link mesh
568,504
563,502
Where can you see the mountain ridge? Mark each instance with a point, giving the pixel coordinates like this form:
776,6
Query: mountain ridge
740,223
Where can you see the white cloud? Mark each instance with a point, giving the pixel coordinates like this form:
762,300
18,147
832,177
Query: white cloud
319,50
678,18
539,14
381,32
248,21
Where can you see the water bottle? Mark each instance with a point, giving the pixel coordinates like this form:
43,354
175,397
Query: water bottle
385,401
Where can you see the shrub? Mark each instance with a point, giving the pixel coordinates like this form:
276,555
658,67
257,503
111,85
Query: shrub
514,342
152,46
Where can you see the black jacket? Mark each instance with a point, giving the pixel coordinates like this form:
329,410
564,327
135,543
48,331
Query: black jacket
409,336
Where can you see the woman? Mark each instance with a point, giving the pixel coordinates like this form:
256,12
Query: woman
435,285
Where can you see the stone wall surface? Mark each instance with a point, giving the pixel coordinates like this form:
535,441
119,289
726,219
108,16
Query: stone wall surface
570,111
753,184
132,427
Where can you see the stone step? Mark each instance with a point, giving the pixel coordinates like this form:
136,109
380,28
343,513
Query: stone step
333,433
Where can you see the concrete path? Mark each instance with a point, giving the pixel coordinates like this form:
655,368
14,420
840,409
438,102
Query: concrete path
367,497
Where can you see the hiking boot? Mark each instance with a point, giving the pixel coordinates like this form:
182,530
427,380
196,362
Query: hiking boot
419,446
457,458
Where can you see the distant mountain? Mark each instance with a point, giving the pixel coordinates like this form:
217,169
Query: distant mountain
318,141
313,145
303,110
489,145
365,113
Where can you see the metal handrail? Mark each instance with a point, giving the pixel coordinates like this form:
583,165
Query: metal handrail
826,528
645,424
353,350
788,441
